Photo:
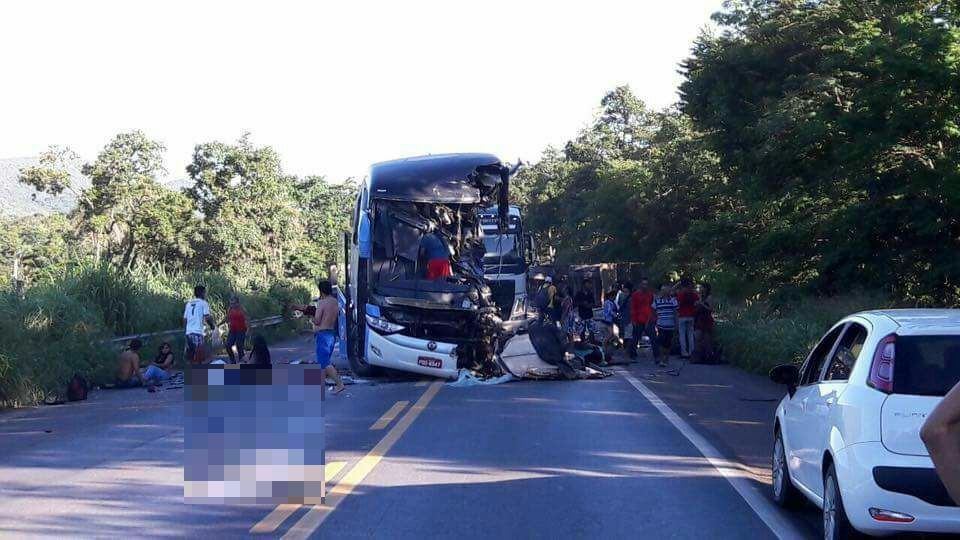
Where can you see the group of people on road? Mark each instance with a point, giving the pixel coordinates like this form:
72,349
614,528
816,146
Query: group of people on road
197,313
671,314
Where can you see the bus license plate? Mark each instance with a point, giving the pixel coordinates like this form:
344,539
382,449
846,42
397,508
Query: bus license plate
429,362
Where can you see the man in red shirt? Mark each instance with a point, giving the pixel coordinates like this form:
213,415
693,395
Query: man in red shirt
641,316
237,335
687,299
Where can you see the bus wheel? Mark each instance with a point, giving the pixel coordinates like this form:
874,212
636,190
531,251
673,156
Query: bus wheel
358,365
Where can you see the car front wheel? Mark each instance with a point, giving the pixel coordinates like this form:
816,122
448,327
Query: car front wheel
836,526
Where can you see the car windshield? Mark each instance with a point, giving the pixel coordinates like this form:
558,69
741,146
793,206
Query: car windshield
926,365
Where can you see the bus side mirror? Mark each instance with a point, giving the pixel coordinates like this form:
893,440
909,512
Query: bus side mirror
529,250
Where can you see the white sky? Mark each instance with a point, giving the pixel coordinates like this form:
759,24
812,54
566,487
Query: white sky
332,86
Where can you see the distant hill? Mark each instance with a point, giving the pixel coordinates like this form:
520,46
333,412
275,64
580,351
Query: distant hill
22,200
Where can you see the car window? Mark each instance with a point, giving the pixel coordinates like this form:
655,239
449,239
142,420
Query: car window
926,365
814,364
846,353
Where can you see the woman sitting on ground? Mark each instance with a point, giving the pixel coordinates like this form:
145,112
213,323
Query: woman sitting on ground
260,354
162,366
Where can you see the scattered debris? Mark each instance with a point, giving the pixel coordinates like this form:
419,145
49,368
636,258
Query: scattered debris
545,353
467,378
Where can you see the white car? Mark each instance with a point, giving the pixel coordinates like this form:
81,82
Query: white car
848,430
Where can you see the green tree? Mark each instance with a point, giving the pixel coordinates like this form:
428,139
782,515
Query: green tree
326,211
251,222
837,121
32,244
621,130
126,211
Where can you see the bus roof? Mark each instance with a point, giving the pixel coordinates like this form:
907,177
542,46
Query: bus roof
435,178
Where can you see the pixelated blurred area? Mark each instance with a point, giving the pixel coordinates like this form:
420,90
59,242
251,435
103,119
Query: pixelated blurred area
254,434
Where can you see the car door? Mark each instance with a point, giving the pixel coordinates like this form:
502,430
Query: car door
819,409
800,438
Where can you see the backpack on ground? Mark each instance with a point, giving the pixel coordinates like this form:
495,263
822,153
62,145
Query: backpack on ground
77,388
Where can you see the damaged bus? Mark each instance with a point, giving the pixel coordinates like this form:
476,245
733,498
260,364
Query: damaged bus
415,298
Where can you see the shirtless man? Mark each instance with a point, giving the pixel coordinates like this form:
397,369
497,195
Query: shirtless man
128,366
325,330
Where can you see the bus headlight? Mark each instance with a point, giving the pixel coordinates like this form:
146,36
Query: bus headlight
383,325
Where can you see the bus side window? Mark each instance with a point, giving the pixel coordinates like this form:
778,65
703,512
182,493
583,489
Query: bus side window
356,218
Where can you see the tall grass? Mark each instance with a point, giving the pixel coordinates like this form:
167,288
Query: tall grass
757,336
59,326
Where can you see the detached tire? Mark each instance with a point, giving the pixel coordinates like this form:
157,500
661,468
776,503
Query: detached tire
785,493
836,526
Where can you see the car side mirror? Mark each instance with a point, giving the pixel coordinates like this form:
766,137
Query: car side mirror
787,374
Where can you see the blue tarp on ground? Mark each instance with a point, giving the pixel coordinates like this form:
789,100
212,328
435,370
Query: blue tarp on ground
468,379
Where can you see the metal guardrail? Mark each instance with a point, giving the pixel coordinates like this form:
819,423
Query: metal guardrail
267,321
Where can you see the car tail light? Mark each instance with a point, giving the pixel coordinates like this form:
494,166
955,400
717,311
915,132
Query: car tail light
881,370
889,516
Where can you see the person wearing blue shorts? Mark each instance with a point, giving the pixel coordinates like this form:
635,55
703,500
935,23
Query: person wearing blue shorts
326,340
325,331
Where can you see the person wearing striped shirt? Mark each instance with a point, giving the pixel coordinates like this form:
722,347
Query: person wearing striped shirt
665,306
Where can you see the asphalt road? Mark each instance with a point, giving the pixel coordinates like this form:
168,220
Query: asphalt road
585,459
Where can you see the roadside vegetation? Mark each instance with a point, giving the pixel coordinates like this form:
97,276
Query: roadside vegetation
814,152
60,326
127,258
759,335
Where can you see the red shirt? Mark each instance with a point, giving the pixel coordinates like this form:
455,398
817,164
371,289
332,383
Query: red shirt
237,319
438,269
687,303
641,306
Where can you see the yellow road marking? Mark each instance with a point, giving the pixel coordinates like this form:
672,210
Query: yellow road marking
280,514
422,383
388,416
312,520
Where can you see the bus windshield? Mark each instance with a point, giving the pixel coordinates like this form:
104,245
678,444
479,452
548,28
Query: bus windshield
501,245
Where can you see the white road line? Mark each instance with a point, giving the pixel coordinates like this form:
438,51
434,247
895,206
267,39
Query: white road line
765,510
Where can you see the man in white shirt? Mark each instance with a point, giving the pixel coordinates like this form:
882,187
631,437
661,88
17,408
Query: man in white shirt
196,312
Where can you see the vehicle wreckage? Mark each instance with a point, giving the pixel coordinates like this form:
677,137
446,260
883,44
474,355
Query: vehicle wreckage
415,298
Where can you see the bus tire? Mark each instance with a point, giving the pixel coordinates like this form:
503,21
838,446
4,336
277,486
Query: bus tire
358,365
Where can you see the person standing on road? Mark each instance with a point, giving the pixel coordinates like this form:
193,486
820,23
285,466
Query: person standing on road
325,325
609,320
687,299
584,301
196,312
623,308
545,299
941,435
237,329
566,311
553,300
665,306
703,328
642,318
